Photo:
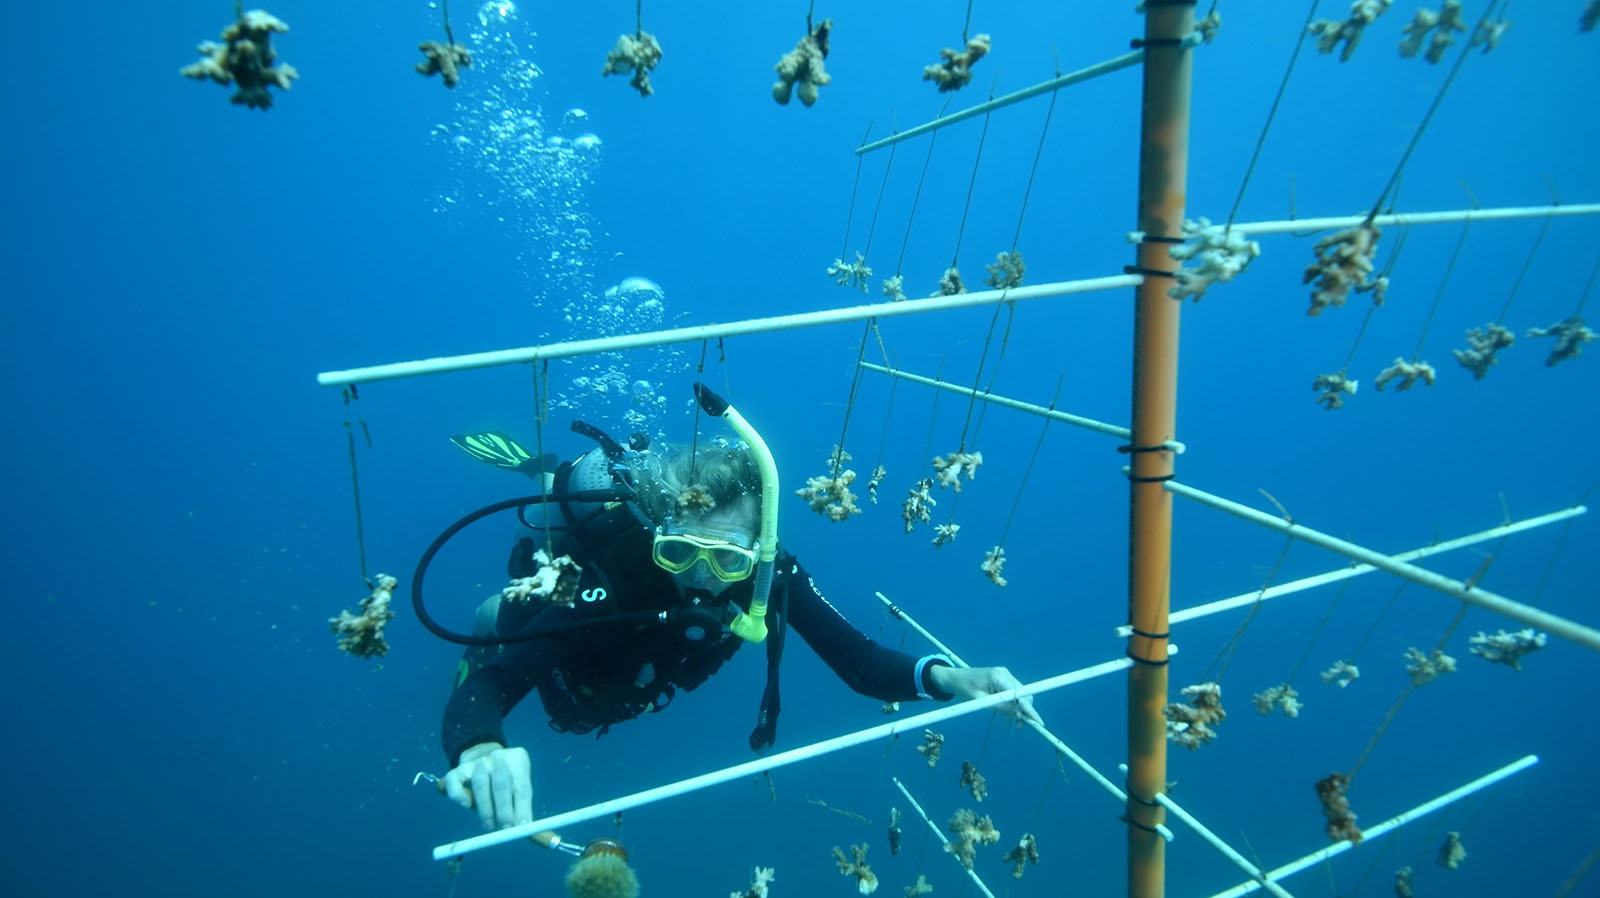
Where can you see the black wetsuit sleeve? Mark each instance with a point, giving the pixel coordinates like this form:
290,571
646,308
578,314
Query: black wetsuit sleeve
864,665
479,705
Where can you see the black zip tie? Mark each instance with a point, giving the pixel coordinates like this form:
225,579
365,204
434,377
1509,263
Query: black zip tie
1138,632
1152,238
1137,825
1158,479
1128,449
1149,272
1139,43
1146,661
1132,797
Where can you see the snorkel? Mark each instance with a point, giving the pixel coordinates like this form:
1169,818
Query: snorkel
752,626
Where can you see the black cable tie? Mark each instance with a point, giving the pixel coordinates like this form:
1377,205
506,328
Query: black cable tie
1152,238
1146,661
1132,797
1151,272
1130,449
1136,824
1138,632
1138,43
1163,478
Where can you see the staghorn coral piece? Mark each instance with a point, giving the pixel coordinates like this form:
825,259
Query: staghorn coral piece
954,70
1006,272
444,60
1209,25
1026,852
1507,648
829,494
973,781
894,288
920,887
1336,807
945,533
1488,34
1333,388
553,582
1344,263
994,566
1570,334
1402,883
918,507
639,54
932,746
866,880
362,634
696,499
950,282
1407,373
1341,674
245,58
1427,668
801,70
848,274
1482,344
758,884
894,830
1191,725
1444,24
1331,33
1451,853
878,474
971,831
949,468
1223,256
1283,696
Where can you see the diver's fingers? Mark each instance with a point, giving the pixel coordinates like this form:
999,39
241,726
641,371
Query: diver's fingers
521,785
456,789
485,796
505,806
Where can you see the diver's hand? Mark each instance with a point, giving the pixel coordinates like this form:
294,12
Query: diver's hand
497,781
976,682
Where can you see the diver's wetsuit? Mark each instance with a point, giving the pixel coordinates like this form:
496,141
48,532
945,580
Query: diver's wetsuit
597,676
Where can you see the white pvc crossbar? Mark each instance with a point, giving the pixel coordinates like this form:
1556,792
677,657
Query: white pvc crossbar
1057,744
1569,630
971,873
715,331
1216,842
1017,404
1374,832
1100,68
1411,218
782,759
1250,598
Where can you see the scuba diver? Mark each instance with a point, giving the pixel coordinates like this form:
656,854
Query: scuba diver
679,564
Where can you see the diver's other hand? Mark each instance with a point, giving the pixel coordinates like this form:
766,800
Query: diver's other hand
496,780
976,682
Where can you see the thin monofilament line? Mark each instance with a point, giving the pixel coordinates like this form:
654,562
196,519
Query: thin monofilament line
1225,657
355,489
972,184
966,24
1272,112
1438,295
933,417
1038,153
1372,310
1526,264
1326,616
1005,341
836,460
1461,59
449,37
1373,627
916,196
855,188
1021,487
638,18
977,378
883,186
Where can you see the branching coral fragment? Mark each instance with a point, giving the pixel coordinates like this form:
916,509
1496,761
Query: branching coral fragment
894,288
1282,695
1025,852
1488,34
553,582
920,887
696,499
245,58
758,884
1336,807
1006,272
1334,387
444,60
1344,263
1451,853
1402,883
949,468
1507,648
994,566
1407,373
945,533
1570,334
973,781
950,283
851,274
932,746
878,474
1427,668
1191,726
829,494
801,69
954,71
1444,24
1341,674
970,831
1223,256
866,880
639,54
1330,33
918,507
362,634
1482,344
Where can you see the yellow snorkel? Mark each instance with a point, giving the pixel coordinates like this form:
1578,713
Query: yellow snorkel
752,626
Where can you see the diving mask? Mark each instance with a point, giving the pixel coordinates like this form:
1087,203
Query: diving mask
727,558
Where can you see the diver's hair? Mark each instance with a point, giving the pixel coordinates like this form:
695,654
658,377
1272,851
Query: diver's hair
730,475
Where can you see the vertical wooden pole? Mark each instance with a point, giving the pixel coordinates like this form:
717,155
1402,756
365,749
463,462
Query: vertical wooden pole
1163,163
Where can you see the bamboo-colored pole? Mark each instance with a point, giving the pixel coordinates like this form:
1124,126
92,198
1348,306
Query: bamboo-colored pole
1163,164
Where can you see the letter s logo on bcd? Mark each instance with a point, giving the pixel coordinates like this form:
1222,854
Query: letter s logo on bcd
597,594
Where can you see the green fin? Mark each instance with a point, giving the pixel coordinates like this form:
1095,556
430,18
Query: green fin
503,452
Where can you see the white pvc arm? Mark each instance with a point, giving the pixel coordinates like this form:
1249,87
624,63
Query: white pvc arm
1373,832
1412,218
782,759
943,839
1569,630
1250,598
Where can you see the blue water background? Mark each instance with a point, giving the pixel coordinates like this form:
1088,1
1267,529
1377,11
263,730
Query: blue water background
179,517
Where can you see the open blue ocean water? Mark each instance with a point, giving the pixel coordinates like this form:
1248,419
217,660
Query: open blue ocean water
179,516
